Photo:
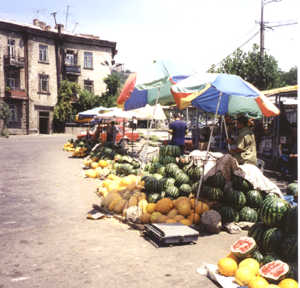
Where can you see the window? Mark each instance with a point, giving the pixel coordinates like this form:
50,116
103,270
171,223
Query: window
11,82
88,60
70,58
43,54
11,48
14,113
43,83
89,85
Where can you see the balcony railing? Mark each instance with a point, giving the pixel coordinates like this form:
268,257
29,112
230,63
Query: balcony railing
73,69
14,61
16,93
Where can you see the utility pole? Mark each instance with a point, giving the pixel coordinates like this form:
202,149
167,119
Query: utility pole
67,15
262,28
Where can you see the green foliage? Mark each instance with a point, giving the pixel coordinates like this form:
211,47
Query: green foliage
5,112
87,100
290,77
262,72
112,81
63,109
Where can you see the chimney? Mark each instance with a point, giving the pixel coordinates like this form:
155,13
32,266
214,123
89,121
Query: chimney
42,24
59,27
36,22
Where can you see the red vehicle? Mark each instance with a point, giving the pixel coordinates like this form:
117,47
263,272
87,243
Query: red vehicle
123,132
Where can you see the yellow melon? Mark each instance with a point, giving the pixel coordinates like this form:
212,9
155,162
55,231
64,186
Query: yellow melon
288,283
145,218
172,213
258,282
250,263
102,163
164,205
227,266
184,207
151,208
94,165
186,222
243,276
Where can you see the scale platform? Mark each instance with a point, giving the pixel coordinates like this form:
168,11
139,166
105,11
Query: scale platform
164,234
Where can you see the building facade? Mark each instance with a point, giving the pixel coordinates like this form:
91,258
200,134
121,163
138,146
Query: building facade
34,59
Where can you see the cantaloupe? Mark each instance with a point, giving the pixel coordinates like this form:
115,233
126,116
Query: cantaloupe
164,205
184,207
151,207
145,218
155,217
172,213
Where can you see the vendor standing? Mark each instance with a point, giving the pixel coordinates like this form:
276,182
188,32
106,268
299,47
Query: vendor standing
245,150
178,129
111,132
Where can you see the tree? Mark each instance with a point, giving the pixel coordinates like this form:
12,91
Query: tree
109,98
87,100
63,109
5,114
290,77
262,72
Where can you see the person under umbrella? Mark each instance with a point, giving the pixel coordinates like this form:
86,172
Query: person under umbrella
245,144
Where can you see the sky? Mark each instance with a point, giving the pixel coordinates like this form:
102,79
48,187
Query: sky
189,33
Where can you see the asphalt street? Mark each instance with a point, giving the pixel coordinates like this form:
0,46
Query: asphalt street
47,241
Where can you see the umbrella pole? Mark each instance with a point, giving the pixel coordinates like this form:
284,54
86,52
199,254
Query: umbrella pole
208,147
226,131
148,130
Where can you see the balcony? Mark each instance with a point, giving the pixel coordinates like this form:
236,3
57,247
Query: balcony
14,61
16,93
73,69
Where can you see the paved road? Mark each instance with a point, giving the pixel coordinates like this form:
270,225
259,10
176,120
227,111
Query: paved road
46,240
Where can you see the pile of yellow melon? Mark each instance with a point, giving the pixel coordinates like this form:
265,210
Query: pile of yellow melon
246,273
79,152
121,193
96,168
69,147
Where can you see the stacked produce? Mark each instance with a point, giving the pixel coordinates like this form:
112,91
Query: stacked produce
276,234
237,203
79,148
242,264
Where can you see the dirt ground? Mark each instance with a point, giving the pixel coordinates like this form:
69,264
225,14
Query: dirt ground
47,241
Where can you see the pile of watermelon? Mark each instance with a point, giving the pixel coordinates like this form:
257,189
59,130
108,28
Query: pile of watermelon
170,175
276,233
237,203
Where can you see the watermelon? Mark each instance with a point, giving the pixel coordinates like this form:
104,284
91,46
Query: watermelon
217,180
293,273
291,221
254,199
157,176
181,178
248,214
272,239
243,247
269,258
235,198
161,170
153,198
289,247
273,211
151,184
274,271
212,193
292,189
185,190
258,256
194,172
228,214
172,150
257,232
165,182
172,192
241,184
171,168
167,160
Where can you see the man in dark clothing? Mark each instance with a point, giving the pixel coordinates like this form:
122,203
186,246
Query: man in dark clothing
178,130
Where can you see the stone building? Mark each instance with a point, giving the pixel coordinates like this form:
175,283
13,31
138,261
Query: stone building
33,61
